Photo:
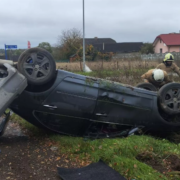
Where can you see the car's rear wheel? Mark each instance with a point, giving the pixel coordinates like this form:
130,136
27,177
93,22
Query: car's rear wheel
37,65
147,86
169,98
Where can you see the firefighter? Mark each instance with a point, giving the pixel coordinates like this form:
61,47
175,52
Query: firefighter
157,77
169,66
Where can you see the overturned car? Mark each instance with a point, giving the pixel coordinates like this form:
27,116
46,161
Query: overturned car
78,105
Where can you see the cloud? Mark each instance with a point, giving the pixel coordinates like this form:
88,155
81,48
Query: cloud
124,21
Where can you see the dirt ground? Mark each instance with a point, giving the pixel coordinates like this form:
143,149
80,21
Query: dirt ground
25,157
169,165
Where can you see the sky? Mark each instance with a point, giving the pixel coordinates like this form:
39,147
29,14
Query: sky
122,20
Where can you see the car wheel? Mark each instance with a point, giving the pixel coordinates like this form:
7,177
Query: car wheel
37,65
147,86
169,98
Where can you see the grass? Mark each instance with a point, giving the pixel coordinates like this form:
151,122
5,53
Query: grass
118,153
121,153
125,76
116,64
126,71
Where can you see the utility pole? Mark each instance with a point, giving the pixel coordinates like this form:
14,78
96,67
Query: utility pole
83,40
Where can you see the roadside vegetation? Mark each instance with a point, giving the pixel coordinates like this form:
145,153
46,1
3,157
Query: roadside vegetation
126,71
136,157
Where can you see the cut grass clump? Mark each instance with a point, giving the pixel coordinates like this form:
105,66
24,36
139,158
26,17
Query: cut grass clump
121,153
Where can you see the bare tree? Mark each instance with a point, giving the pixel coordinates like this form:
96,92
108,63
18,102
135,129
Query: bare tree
69,43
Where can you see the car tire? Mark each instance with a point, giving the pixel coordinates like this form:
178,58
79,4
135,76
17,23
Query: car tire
147,86
37,65
169,98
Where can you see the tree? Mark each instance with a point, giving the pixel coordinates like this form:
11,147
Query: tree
18,52
90,52
46,46
147,48
105,56
69,43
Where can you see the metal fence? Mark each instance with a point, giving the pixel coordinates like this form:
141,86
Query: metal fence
11,57
157,56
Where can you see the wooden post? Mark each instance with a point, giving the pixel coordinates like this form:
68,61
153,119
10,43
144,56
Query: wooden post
80,66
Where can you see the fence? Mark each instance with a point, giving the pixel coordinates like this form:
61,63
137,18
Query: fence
157,56
10,57
160,56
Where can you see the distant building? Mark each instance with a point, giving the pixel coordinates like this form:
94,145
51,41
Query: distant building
110,45
97,40
125,47
167,43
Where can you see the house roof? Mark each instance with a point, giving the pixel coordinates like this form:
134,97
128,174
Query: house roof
169,39
120,47
98,40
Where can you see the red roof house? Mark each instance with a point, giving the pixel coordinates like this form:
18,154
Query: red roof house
167,43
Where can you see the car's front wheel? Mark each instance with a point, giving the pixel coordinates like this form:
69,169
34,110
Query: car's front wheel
37,65
169,98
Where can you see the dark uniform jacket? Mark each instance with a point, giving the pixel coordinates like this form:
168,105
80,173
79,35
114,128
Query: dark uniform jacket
169,69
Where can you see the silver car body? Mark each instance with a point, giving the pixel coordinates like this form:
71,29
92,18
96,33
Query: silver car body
10,87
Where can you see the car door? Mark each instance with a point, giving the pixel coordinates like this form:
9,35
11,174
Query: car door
122,104
70,106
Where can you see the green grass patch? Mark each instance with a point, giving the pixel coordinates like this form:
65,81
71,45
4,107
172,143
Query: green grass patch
105,73
118,153
124,76
121,153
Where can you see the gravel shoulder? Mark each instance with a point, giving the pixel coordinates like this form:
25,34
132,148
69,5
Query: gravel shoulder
25,157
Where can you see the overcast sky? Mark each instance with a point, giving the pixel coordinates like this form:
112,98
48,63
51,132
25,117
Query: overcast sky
122,20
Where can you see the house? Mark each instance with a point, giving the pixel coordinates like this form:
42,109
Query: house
106,45
97,40
109,45
167,43
125,47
